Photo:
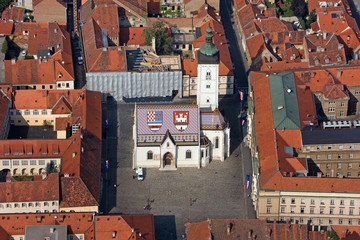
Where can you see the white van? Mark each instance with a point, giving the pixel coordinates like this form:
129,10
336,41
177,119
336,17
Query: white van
140,174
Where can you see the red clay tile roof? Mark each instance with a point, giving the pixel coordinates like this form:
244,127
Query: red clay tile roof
4,104
6,27
239,4
347,232
132,36
153,7
189,67
106,16
240,229
75,193
123,225
30,191
78,223
270,176
13,13
333,89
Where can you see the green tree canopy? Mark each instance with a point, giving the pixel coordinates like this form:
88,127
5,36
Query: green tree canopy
51,168
4,4
299,8
5,46
163,41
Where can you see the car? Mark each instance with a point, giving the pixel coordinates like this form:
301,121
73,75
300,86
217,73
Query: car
80,60
140,173
247,181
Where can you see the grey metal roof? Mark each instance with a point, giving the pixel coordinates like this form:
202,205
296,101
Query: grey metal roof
51,232
312,136
284,101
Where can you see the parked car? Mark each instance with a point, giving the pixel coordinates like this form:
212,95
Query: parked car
80,60
140,174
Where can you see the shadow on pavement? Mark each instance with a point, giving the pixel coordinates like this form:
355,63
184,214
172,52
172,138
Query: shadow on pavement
165,228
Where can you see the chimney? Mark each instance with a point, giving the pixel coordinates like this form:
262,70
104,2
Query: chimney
13,61
291,174
114,234
324,35
153,44
319,174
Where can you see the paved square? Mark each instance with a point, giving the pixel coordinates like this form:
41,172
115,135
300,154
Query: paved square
177,197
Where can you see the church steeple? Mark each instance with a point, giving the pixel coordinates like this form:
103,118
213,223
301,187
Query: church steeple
209,52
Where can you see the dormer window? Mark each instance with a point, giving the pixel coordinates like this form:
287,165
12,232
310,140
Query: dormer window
339,58
208,76
317,61
327,60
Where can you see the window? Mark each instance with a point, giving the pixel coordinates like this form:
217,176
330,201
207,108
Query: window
341,147
302,201
188,154
32,162
31,204
327,174
54,204
339,166
321,221
318,148
293,201
302,210
269,201
24,162
341,211
332,202
342,114
36,112
208,76
312,202
216,142
16,205
149,155
301,220
351,155
350,221
329,147
322,202
27,112
342,104
340,221
351,202
348,174
292,210
329,157
44,112
328,165
16,162
331,211
351,147
8,205
5,163
37,204
321,211
282,209
331,109
268,210
342,202
36,121
23,205
357,92
46,204
283,201
311,210
317,157
307,148
41,162
207,85
351,211
339,156
331,102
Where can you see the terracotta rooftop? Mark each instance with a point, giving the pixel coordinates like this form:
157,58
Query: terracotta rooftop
6,27
153,7
143,226
13,13
45,190
272,177
347,232
132,36
218,229
189,67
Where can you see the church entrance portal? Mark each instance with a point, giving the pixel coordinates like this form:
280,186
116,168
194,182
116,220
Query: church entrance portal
168,157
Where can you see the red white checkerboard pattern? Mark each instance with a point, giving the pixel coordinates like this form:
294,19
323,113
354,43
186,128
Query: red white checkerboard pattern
151,116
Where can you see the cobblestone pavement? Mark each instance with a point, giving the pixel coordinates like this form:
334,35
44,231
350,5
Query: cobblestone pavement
187,194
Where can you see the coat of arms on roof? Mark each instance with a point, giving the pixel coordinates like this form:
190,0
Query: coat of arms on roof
155,120
181,120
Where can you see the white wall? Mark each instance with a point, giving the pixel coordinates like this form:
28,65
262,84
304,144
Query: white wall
182,161
29,207
65,85
207,97
221,151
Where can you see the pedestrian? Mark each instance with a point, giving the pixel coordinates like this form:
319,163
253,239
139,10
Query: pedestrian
115,185
248,195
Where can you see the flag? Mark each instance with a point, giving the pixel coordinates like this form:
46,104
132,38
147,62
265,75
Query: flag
107,165
242,122
247,184
241,95
106,123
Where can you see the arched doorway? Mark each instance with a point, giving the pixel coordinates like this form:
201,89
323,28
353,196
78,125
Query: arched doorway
168,158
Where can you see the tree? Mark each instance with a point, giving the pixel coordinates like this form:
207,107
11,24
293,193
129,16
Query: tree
5,46
163,41
51,168
299,8
312,18
4,4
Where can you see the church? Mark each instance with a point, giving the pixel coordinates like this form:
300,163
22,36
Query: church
172,136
